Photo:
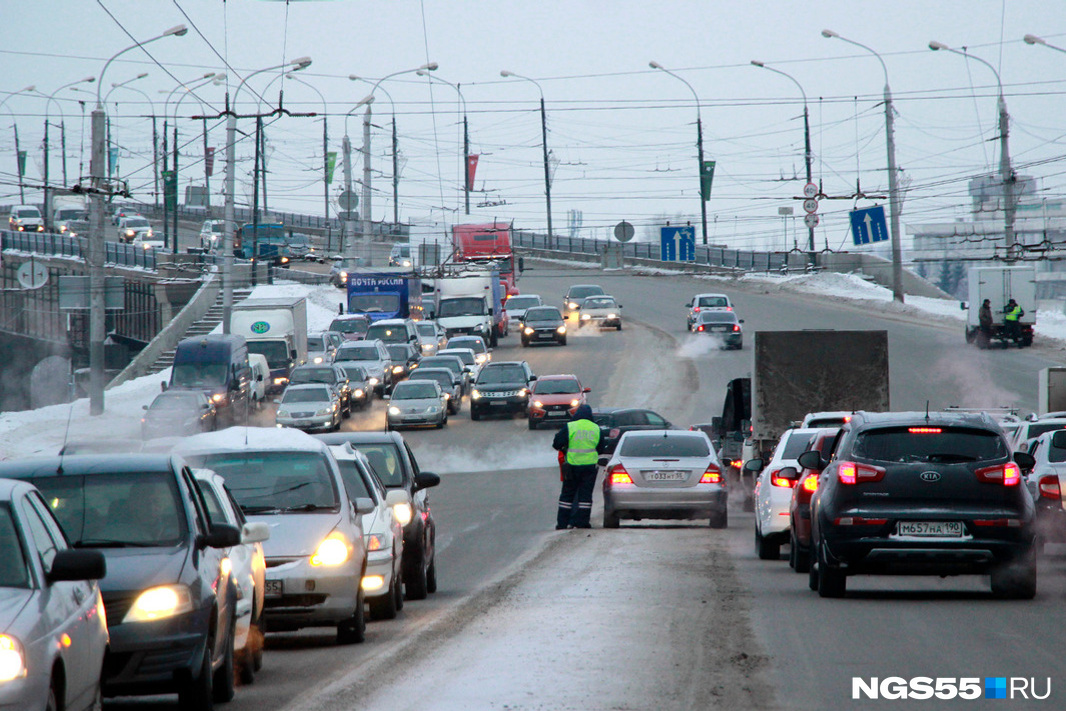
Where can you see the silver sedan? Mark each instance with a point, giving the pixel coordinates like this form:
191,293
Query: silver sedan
417,402
664,474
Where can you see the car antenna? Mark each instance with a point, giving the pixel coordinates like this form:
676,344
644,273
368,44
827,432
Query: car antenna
66,434
927,412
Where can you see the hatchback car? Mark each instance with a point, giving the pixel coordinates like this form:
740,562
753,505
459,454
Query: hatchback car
706,302
310,406
723,325
773,492
482,352
328,374
452,362
449,383
432,337
922,493
178,412
170,602
554,399
322,346
543,324
352,327
667,474
405,358
501,387
600,311
518,304
359,384
417,402
316,555
577,292
371,355
1046,481
397,468
616,421
799,508
49,593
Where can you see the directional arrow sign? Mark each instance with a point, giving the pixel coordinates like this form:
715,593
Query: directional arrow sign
868,225
677,244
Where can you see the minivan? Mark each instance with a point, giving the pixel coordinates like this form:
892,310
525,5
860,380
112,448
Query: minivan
218,366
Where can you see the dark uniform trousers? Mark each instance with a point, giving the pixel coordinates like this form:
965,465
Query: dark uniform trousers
575,501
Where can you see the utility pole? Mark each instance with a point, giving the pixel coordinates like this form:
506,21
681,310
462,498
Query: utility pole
47,212
155,162
166,171
893,197
262,161
174,217
466,163
366,214
97,312
699,158
207,173
547,175
18,167
348,226
63,147
325,170
255,202
1007,174
395,176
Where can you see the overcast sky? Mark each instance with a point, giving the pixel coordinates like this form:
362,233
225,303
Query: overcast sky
623,134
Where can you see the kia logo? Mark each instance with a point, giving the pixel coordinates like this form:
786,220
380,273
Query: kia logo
930,476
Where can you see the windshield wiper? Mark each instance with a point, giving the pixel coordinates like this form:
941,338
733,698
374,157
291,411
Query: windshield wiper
259,509
107,543
310,507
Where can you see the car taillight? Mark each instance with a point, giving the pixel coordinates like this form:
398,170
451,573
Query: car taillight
736,326
810,483
854,473
613,434
696,309
619,475
859,521
712,476
1049,487
924,430
780,480
1008,474
699,328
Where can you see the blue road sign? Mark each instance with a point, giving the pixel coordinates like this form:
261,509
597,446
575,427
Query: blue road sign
868,225
677,244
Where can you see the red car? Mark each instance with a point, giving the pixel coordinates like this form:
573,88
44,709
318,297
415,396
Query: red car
799,511
554,399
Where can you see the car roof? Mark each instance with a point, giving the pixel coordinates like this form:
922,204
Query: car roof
916,418
307,386
80,464
233,439
359,437
351,317
498,363
391,322
557,376
453,351
422,370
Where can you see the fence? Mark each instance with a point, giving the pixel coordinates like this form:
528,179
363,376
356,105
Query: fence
117,254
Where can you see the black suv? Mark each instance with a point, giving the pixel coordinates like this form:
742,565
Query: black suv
616,421
396,466
922,494
329,375
501,386
543,324
169,601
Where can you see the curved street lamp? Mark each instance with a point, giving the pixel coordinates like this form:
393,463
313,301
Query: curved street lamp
544,147
47,151
464,168
18,163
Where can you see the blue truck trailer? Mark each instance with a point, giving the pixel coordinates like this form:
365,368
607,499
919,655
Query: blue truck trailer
385,293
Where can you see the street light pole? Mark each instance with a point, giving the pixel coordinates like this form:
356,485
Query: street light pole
807,158
699,143
544,148
47,178
893,183
1005,170
325,144
463,167
100,187
18,163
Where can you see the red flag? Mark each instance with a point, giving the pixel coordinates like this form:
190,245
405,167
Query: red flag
209,161
471,168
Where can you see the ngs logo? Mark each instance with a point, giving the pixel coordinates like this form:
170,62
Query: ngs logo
968,688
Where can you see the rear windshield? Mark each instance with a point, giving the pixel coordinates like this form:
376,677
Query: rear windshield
659,446
797,444
273,482
713,302
717,317
1035,430
1056,451
930,444
313,375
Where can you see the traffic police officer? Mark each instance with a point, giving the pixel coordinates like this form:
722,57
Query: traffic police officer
1013,312
580,439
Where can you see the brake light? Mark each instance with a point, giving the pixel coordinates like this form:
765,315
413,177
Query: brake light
860,521
1000,522
924,430
810,483
736,326
854,473
1049,487
613,434
847,419
780,480
1008,474
699,328
712,476
696,309
619,475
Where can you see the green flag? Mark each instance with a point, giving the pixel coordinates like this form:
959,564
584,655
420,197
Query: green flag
22,163
331,163
706,178
170,189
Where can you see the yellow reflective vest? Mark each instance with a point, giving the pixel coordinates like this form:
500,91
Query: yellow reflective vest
581,447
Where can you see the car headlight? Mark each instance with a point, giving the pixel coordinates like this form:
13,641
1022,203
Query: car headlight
370,583
325,411
612,315
396,369
343,275
475,394
150,233
334,550
218,397
403,513
561,329
575,403
572,305
12,659
284,260
586,317
373,381
359,392
427,346
447,396
160,602
528,331
538,404
433,408
146,245
407,262
280,381
481,358
318,359
393,410
376,542
522,392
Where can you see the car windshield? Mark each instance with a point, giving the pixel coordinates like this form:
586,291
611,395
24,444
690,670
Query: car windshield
580,292
116,510
296,395
713,302
136,222
313,375
717,317
449,362
666,447
557,387
475,344
465,355
426,329
319,343
354,372
28,213
922,443
299,240
385,460
502,374
414,390
198,375
276,353
175,401
461,307
401,250
362,352
272,482
354,485
1037,429
547,313
387,333
14,572
522,302
398,352
441,377
598,303
349,325
373,303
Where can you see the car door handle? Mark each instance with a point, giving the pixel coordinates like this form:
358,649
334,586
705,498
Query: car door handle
79,596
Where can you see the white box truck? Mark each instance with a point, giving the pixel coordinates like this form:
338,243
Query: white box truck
999,285
471,303
277,329
1051,390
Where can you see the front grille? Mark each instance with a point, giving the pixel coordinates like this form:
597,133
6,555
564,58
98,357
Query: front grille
116,607
165,662
302,414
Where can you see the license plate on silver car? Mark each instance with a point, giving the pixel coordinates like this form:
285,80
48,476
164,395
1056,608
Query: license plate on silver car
664,476
273,587
941,529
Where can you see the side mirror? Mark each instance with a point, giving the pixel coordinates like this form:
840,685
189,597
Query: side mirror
277,401
426,480
144,407
293,354
255,532
396,497
1025,460
727,462
205,406
753,465
259,378
76,564
163,386
688,305
364,505
602,461
811,460
742,320
962,305
222,535
586,390
789,473
532,378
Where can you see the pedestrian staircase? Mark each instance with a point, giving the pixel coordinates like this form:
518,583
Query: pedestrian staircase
204,326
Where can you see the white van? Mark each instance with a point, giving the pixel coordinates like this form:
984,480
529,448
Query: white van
25,218
260,376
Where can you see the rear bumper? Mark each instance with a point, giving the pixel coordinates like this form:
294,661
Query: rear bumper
632,501
878,554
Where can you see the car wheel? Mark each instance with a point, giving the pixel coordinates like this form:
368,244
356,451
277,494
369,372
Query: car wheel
431,576
223,683
197,694
562,342
618,327
532,423
384,607
720,519
610,518
416,584
257,639
831,581
53,698
474,415
799,558
812,576
353,630
766,549
1016,581
397,590
440,425
525,343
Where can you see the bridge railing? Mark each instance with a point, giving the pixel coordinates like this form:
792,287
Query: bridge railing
43,243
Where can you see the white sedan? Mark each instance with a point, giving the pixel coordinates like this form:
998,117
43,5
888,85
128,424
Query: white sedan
773,492
248,571
601,311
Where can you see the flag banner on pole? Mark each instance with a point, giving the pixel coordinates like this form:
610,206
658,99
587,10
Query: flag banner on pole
209,161
170,189
22,163
706,178
331,163
471,168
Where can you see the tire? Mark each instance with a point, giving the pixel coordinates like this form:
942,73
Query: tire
799,559
353,630
1016,581
246,664
431,576
53,697
812,576
416,585
397,591
474,415
971,334
610,518
719,519
384,608
197,694
225,677
562,342
525,343
532,423
831,581
766,549
618,327
257,653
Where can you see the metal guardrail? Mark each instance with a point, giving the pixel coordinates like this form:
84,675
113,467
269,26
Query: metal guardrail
117,254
